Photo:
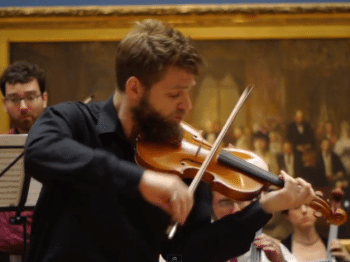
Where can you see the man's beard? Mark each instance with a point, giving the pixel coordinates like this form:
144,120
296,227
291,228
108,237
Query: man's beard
153,127
23,125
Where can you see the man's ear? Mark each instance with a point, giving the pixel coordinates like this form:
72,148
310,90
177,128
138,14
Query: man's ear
4,104
45,99
133,88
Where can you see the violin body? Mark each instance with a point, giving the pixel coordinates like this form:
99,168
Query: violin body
236,173
186,159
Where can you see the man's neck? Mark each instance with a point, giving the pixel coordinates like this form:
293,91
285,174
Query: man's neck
17,131
125,115
21,131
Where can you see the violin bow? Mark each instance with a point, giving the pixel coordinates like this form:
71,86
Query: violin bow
255,254
200,172
89,99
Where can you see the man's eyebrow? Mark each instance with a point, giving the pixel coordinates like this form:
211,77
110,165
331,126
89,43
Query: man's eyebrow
183,87
179,87
226,199
30,92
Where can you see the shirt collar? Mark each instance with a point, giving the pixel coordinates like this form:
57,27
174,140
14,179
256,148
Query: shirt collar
108,121
13,131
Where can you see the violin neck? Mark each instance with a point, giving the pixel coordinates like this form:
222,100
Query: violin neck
249,169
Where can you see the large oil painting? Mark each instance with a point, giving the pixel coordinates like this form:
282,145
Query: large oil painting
287,74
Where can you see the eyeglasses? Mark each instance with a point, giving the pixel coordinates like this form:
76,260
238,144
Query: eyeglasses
16,100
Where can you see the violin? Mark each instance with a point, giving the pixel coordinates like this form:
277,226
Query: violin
232,172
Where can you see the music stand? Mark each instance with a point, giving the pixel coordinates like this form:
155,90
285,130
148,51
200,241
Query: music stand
18,191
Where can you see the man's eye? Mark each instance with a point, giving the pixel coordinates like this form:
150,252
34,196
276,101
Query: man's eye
30,98
14,99
174,95
226,203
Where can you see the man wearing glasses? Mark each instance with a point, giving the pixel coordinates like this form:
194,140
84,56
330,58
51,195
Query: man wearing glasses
23,88
273,250
25,98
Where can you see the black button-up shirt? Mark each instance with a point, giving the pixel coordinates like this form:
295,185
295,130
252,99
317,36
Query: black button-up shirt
90,208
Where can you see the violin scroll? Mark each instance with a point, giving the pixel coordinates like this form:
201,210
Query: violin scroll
340,215
335,216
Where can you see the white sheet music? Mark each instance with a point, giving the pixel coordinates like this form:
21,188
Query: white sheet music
33,193
11,183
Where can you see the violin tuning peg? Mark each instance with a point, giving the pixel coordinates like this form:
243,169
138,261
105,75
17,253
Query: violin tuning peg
317,214
319,193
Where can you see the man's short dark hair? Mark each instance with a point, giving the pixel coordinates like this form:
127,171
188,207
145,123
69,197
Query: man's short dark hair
22,72
149,49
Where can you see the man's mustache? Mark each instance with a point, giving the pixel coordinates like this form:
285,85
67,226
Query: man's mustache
180,113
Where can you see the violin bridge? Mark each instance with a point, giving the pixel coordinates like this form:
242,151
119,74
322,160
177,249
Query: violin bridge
199,148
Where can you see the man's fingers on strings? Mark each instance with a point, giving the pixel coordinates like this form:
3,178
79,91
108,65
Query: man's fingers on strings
302,184
284,175
306,190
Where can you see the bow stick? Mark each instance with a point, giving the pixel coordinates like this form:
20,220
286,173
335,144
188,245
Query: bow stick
214,148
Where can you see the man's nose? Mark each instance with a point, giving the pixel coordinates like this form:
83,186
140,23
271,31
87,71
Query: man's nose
186,103
23,105
304,208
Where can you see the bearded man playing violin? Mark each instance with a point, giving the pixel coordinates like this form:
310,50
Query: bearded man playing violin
98,205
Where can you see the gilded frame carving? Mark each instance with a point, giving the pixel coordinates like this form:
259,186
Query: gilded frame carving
201,22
